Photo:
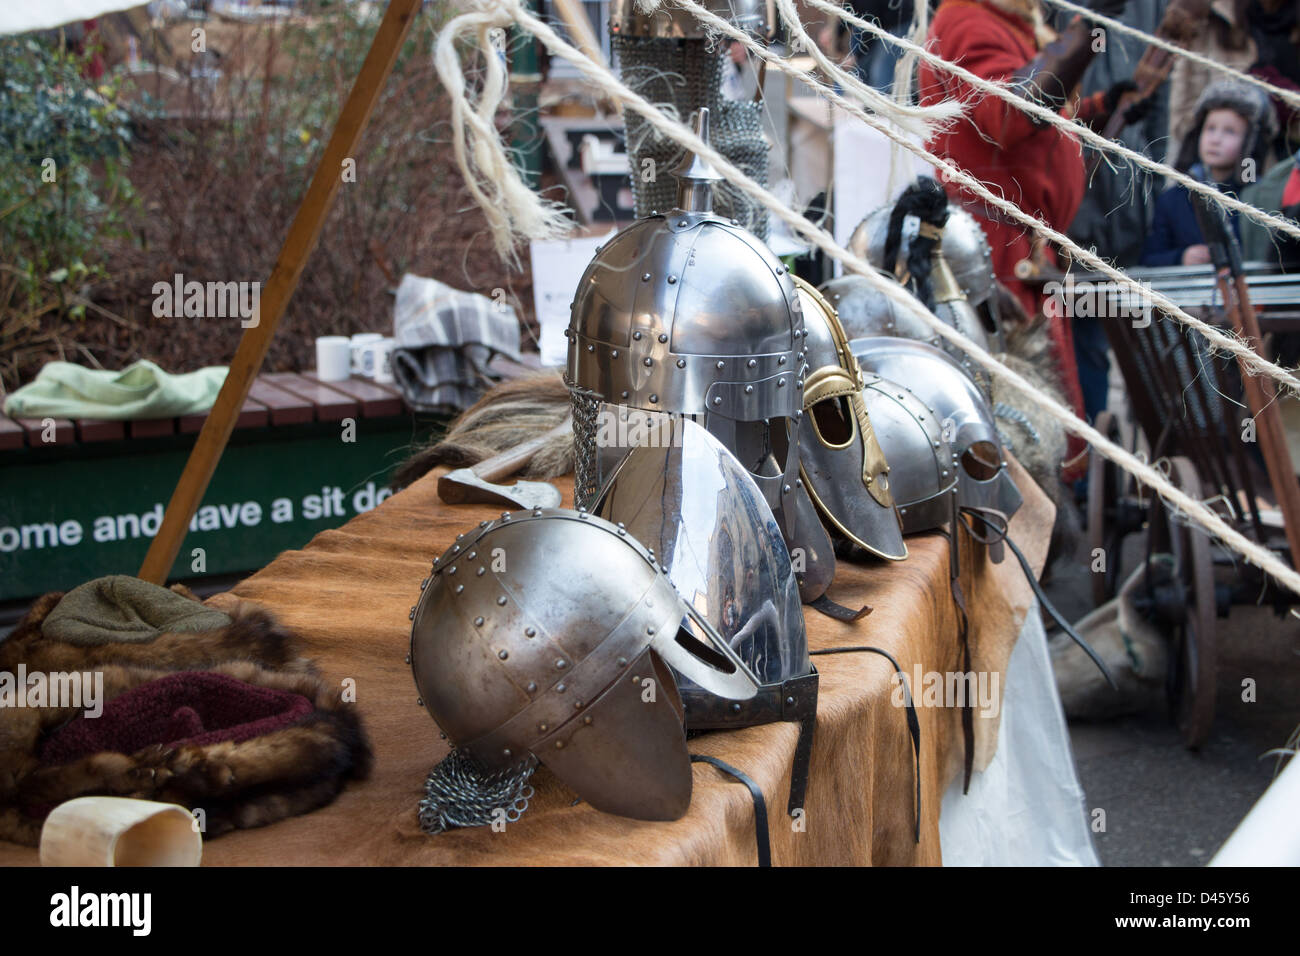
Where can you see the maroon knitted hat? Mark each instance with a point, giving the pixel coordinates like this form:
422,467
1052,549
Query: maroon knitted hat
195,708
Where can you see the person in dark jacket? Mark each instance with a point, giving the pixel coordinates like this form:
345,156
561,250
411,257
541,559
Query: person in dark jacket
1225,147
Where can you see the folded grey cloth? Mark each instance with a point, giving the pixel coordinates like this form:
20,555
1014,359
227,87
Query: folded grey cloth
443,341
122,608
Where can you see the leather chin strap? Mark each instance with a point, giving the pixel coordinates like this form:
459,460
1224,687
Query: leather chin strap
913,722
761,834
839,612
963,638
996,523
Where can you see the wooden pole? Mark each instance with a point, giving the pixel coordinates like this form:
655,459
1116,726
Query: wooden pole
279,288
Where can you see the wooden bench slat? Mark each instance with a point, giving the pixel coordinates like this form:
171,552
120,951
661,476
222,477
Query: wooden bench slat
99,429
285,408
11,433
64,432
151,427
253,414
375,400
331,406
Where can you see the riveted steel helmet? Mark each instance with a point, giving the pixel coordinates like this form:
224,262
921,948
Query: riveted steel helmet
923,476
670,21
688,314
533,641
840,459
963,246
864,311
685,495
964,414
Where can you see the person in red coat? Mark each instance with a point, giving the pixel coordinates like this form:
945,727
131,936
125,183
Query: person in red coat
1027,161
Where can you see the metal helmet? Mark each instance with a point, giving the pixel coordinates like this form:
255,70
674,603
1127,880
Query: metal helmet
688,314
863,311
519,664
840,459
964,414
669,21
686,496
923,476
963,246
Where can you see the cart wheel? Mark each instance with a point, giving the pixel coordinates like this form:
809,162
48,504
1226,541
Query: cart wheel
1111,501
1182,591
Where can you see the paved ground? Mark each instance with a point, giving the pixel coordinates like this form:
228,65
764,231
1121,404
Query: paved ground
1165,805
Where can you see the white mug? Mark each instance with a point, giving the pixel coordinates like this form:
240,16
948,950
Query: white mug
333,358
379,357
358,345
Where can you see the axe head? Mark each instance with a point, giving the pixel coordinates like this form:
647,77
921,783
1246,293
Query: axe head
463,486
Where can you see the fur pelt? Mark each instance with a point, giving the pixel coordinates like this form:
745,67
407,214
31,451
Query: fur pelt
237,785
507,416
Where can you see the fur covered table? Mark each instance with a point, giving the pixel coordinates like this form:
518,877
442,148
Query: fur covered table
348,595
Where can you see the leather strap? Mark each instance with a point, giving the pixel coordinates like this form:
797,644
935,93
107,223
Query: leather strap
997,523
762,837
838,611
913,722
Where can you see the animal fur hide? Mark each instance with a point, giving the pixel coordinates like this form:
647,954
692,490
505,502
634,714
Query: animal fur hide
505,417
251,783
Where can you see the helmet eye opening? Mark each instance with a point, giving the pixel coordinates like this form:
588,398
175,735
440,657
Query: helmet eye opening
833,422
692,644
980,461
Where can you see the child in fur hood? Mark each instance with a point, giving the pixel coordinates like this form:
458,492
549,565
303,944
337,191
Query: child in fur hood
1229,136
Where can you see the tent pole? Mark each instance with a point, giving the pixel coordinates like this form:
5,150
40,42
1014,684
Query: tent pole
279,288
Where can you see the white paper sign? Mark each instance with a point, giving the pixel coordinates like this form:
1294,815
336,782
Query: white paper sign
558,264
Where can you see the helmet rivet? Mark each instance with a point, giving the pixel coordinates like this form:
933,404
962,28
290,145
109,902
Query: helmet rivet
798,482
785,489
717,399
636,679
647,361
798,412
682,222
560,688
532,687
781,360
411,616
419,702
505,516
452,569
749,389
506,752
480,572
472,555
799,384
654,399
587,719
789,701
780,383
681,363
591,348
582,511
622,662
645,277
614,354
503,654
663,337
542,727
537,512
482,524
408,658
622,526
624,393
672,280
478,621
622,532
559,745
455,549
501,600
721,364
649,630
578,705
424,584
561,663
735,708
752,363
530,632
460,588
636,336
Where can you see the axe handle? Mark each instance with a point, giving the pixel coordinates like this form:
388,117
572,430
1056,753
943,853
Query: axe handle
506,463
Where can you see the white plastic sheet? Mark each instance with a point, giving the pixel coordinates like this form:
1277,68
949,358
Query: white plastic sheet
1026,808
16,17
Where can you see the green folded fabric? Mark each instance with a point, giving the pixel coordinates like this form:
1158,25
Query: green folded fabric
65,390
122,608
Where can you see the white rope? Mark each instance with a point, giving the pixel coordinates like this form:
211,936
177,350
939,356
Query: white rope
1089,136
1251,360
510,206
1195,511
1287,96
